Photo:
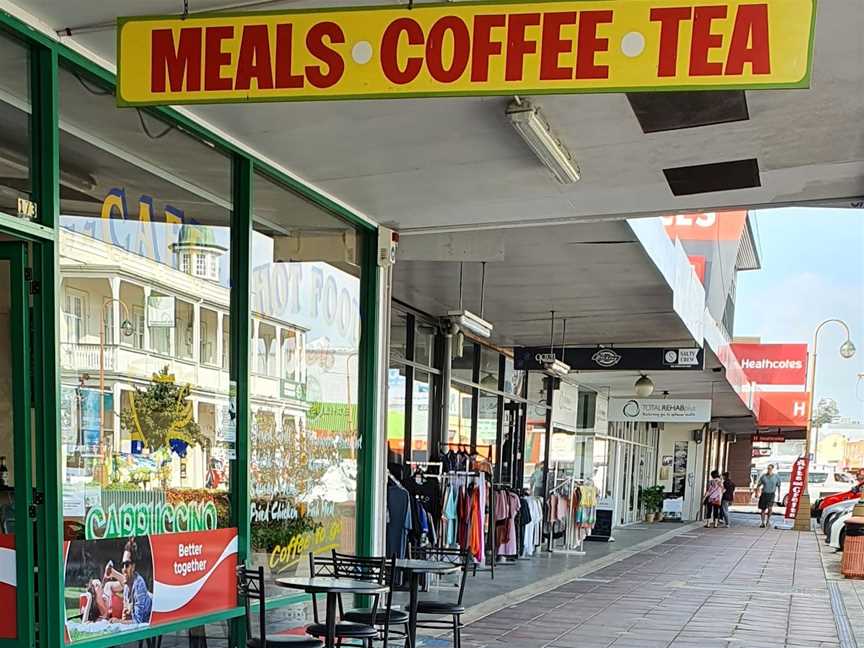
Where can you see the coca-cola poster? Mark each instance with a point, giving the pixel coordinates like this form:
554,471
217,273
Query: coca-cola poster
114,585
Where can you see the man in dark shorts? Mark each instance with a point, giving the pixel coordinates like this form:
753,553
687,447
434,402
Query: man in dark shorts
767,488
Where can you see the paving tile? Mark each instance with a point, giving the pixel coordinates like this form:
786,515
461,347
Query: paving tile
732,588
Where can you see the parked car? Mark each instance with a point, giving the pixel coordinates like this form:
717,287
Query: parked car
837,530
821,482
823,503
832,512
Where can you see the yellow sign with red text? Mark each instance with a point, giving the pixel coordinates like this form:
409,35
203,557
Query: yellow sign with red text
466,49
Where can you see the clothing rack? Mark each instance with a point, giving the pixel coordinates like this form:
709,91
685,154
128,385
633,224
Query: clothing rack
490,524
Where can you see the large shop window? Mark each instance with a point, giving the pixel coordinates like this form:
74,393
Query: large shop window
147,414
305,291
15,179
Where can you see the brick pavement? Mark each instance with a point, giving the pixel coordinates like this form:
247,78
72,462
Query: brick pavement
736,588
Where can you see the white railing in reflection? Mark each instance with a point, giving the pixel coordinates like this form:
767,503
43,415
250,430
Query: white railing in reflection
81,357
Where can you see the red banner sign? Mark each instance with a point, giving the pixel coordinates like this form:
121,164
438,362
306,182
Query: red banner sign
797,486
773,364
782,409
120,584
8,591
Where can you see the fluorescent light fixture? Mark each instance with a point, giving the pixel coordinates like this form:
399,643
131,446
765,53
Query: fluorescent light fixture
556,368
470,322
534,129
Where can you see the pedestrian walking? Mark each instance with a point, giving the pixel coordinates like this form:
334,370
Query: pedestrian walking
714,500
766,489
728,497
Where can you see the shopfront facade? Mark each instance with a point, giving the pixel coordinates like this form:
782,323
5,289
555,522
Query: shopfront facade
187,363
488,403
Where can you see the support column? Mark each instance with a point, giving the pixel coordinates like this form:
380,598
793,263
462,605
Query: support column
116,393
196,332
256,366
219,333
115,313
147,291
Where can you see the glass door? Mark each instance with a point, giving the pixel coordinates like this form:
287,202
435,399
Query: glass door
17,515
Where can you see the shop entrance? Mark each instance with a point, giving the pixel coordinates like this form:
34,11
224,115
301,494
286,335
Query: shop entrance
18,596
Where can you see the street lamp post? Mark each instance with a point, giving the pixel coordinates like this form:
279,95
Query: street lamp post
847,350
126,330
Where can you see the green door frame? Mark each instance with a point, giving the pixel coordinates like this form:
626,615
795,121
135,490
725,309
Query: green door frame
15,253
47,54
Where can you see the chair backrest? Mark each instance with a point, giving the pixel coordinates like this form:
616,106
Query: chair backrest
457,557
321,565
372,570
376,569
250,585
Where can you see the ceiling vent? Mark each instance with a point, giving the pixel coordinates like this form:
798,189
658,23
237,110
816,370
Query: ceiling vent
718,176
666,111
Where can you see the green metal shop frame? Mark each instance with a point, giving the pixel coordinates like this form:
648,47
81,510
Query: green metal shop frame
46,56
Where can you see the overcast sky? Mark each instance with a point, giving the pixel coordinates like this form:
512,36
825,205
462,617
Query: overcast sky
812,270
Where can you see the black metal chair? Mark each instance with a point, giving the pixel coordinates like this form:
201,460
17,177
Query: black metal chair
250,585
356,624
386,617
437,608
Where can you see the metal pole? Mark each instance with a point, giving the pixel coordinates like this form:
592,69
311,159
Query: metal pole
802,517
550,384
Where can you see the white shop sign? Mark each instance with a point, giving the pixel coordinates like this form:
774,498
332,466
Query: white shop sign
660,410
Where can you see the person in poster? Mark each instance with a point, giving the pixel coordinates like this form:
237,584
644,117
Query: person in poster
138,602
105,599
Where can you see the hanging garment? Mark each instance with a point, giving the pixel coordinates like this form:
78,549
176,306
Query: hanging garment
507,545
463,519
449,517
502,515
476,536
399,519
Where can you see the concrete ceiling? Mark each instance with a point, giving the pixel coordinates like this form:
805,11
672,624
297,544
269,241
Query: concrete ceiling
597,275
428,163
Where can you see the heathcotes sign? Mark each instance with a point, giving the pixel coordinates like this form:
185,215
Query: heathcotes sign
465,49
773,364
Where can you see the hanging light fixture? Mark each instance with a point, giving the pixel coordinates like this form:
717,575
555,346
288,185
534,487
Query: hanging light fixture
644,386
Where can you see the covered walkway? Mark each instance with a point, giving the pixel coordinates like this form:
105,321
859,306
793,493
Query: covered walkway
734,588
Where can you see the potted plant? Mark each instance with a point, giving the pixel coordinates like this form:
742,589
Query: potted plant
651,501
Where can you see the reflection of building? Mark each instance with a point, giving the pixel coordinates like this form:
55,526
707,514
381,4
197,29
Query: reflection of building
98,275
831,449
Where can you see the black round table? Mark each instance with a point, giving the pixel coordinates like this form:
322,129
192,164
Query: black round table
332,587
416,569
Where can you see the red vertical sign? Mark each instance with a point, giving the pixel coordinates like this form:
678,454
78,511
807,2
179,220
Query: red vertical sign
8,591
797,486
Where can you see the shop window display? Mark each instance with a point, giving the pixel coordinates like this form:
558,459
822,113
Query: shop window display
461,405
396,386
421,420
148,432
304,429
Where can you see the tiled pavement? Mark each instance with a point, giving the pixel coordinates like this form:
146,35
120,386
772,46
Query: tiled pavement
705,588
734,588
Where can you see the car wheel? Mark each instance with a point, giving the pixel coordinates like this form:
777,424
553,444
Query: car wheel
826,524
785,500
842,540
